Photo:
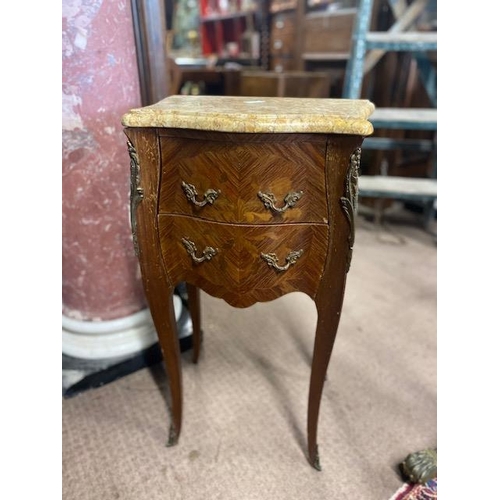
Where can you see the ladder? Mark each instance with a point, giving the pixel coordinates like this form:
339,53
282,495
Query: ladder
366,50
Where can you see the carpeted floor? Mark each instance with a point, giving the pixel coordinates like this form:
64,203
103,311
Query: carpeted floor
244,427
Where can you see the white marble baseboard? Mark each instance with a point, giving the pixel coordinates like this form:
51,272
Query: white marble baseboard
117,338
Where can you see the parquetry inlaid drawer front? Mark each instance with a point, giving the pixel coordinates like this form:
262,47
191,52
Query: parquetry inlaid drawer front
244,182
241,263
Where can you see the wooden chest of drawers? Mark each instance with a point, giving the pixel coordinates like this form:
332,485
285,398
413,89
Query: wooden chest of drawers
247,199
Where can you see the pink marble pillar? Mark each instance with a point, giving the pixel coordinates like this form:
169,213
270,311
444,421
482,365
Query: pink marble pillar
101,278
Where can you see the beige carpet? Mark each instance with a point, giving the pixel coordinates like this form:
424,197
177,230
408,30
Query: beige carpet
244,428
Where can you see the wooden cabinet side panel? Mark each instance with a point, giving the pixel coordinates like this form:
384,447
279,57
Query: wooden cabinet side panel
340,151
147,178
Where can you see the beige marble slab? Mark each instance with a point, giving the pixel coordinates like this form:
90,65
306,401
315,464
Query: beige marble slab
256,115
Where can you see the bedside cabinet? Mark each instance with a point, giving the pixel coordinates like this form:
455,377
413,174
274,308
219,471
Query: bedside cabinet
247,199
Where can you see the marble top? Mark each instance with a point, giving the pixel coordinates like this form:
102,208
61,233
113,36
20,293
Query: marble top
256,114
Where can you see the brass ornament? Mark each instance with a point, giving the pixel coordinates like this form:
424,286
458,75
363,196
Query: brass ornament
190,191
207,254
350,199
421,466
136,192
269,200
290,259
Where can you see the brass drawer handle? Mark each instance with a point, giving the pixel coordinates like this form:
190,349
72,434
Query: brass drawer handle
190,191
191,249
290,200
272,259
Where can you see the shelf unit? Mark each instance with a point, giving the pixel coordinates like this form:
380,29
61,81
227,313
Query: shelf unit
230,29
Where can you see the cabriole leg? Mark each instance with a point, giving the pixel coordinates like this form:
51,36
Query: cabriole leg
326,330
164,318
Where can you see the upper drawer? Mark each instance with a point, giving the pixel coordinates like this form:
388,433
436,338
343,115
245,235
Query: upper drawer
245,178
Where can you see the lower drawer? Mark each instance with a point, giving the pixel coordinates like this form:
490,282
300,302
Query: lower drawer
241,263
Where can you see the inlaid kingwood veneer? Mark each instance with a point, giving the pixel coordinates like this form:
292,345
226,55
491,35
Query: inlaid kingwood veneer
247,199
